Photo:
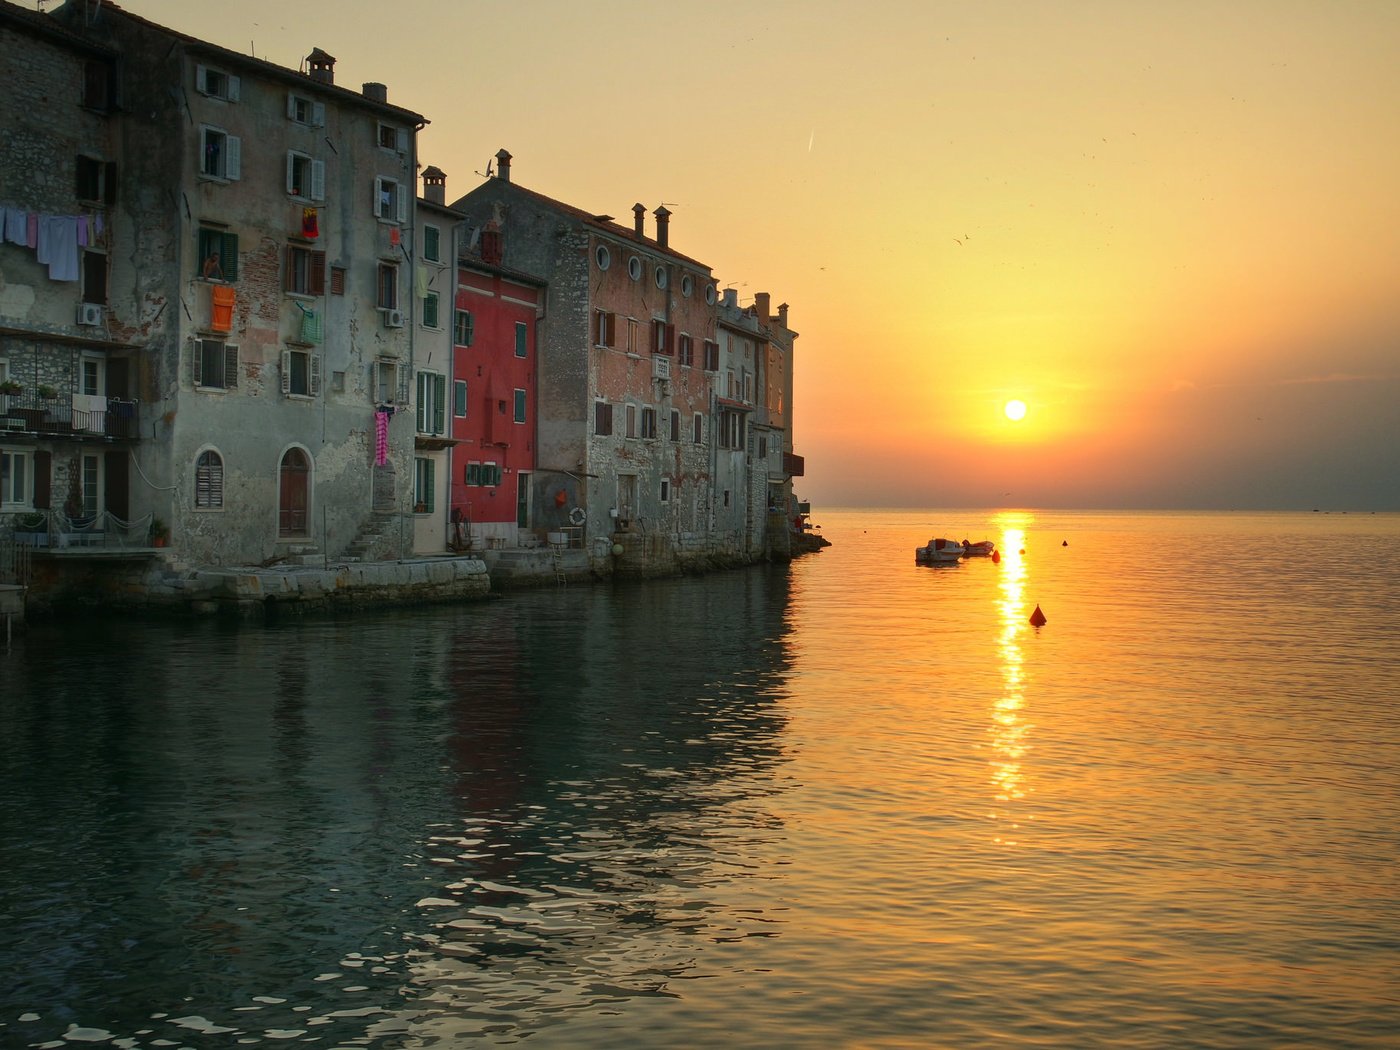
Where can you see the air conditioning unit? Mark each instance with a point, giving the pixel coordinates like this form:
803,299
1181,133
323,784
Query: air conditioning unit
661,368
90,313
393,318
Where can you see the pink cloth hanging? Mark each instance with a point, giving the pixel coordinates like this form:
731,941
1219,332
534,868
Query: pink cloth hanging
381,438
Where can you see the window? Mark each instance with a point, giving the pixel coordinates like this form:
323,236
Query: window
390,137
663,337
710,294
602,418
634,268
218,254
459,398
519,405
430,310
522,331
91,488
424,471
306,177
648,422
483,474
97,85
209,481
464,327
220,154
711,356
697,432
390,382
216,83
387,297
763,447
631,417
602,257
661,277
301,373
215,364
337,280
432,244
390,201
432,403
675,424
305,111
731,429
94,277
305,271
685,350
687,285
665,490
96,180
604,328
632,326
16,479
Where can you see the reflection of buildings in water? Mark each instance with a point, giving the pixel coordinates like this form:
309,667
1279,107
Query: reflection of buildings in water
1010,732
638,730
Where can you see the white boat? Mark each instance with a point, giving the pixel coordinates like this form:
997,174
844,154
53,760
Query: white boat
984,549
938,552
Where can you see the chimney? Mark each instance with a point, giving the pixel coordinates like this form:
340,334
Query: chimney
731,297
663,225
320,67
639,219
503,165
760,303
782,314
376,92
435,185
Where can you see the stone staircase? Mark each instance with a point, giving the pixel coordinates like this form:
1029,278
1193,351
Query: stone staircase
379,528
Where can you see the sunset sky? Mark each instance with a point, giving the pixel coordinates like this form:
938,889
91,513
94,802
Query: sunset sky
1171,229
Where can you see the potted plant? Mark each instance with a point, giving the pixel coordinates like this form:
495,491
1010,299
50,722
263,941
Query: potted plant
160,533
10,386
48,393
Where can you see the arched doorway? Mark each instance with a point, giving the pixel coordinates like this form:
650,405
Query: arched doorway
292,500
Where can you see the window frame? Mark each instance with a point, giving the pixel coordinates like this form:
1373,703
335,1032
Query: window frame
432,236
230,166
646,427
431,312
602,418
431,407
210,478
10,500
311,375
463,324
229,89
218,356
206,236
387,280
304,271
521,405
522,336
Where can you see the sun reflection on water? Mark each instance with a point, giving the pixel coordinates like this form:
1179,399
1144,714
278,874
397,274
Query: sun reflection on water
1010,732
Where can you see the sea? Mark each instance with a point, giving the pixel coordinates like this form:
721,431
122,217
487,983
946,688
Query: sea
847,802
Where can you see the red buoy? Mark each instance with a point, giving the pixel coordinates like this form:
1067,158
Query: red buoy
1037,618
996,557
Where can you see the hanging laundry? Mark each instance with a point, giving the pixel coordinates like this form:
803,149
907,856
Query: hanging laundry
394,236
63,257
222,298
82,231
17,226
420,282
310,223
311,328
31,229
381,438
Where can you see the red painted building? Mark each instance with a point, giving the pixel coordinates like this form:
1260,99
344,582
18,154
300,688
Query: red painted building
493,400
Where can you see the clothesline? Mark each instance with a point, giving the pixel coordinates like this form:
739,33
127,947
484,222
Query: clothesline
56,240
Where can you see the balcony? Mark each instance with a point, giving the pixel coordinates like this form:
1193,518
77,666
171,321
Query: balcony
52,531
793,465
69,415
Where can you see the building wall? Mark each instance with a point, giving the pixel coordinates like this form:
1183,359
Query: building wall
433,276
490,438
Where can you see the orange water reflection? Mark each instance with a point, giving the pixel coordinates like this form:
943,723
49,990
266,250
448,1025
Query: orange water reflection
1010,732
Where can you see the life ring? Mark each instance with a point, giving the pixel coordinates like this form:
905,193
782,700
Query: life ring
577,515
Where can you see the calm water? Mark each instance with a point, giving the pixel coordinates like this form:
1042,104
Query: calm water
854,802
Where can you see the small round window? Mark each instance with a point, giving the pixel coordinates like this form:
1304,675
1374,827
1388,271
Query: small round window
710,294
661,277
603,257
634,268
687,286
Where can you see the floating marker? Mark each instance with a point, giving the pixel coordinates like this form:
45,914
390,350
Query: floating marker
1037,618
1064,543
996,557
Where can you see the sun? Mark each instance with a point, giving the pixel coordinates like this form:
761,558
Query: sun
1015,411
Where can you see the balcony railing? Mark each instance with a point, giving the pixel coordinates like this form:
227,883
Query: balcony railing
55,530
793,464
71,415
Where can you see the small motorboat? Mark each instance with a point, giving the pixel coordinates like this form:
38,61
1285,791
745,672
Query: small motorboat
938,552
984,549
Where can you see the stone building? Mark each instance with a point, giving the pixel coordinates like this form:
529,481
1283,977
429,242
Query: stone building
255,222
627,351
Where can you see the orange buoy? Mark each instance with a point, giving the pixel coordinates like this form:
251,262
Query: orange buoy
996,557
1037,618
1064,543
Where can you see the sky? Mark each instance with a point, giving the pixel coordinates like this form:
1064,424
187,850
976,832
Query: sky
1172,230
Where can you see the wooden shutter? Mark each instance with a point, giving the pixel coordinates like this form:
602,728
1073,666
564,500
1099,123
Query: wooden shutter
318,180
316,274
234,88
314,366
43,480
109,183
289,268
291,172
233,158
286,371
318,114
230,367
378,197
439,404
459,397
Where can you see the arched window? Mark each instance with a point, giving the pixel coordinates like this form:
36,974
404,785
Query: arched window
209,481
